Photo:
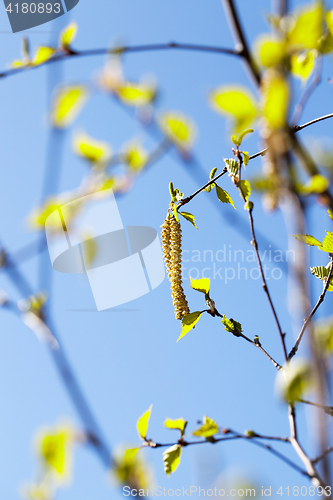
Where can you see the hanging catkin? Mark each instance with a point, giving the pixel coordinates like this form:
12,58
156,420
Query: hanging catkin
171,243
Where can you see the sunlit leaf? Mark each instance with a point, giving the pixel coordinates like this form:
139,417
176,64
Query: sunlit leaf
308,239
142,424
307,28
243,134
207,429
43,54
171,458
330,213
328,243
317,184
130,469
67,35
236,103
18,63
135,156
232,165
178,128
323,331
130,455
67,104
325,45
320,272
188,217
201,285
231,325
179,424
246,157
245,187
54,449
136,94
276,97
271,51
302,65
294,381
223,196
188,322
97,152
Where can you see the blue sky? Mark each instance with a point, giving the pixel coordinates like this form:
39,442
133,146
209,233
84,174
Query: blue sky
127,360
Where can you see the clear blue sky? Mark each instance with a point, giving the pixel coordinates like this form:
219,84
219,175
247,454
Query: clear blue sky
127,360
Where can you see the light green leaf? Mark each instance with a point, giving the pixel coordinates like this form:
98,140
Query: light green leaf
327,243
243,134
294,380
171,458
276,99
175,213
237,103
179,424
135,94
54,448
319,272
67,35
329,20
232,165
188,322
271,51
188,217
330,213
208,428
245,186
178,128
317,184
43,54
223,196
97,152
231,325
67,104
234,139
135,156
325,45
142,424
302,65
246,157
307,30
308,239
211,176
129,455
201,285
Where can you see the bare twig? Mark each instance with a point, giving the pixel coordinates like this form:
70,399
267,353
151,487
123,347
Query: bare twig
308,319
239,36
119,50
327,409
323,455
311,122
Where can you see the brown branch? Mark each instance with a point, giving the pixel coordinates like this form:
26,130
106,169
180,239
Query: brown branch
120,50
308,319
239,37
327,409
323,455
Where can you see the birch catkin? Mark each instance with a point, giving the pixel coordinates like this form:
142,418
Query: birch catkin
171,244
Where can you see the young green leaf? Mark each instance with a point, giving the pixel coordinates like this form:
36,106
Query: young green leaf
231,325
188,322
302,65
308,239
211,176
295,380
67,35
234,139
232,165
175,213
307,30
43,54
327,243
237,103
320,272
188,217
171,458
208,428
97,152
201,285
246,157
243,134
178,128
223,196
317,184
135,94
142,424
130,454
67,104
276,98
330,214
245,187
54,448
179,424
271,50
135,156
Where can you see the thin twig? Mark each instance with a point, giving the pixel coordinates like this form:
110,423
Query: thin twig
308,92
327,409
311,122
239,36
323,455
189,198
119,50
308,319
